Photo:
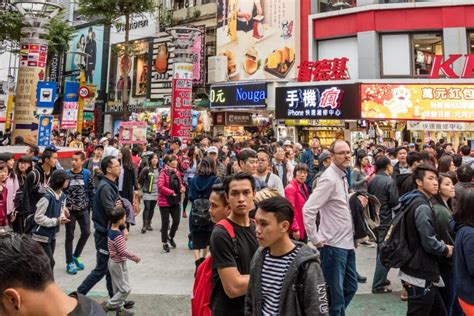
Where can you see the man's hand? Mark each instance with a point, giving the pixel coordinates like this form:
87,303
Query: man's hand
321,244
12,217
183,189
64,220
363,200
450,251
119,203
67,213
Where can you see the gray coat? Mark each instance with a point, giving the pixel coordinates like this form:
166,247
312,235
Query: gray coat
314,294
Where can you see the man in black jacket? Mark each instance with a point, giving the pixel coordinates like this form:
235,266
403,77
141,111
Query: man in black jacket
383,187
420,275
405,182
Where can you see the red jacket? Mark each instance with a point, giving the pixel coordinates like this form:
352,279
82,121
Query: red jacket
164,186
3,206
295,196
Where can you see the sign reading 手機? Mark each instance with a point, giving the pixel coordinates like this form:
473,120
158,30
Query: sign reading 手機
317,102
246,95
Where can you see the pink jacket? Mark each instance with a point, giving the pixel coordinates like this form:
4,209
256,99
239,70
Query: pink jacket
164,186
296,197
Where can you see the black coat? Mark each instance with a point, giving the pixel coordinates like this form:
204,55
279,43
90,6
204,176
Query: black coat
384,189
130,183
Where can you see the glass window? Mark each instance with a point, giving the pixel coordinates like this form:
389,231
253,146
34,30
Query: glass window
333,5
425,46
471,42
396,55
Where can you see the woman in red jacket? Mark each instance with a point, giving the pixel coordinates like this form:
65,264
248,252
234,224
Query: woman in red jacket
296,192
170,187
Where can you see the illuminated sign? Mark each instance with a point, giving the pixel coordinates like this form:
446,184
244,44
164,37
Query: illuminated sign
248,95
323,70
439,65
317,102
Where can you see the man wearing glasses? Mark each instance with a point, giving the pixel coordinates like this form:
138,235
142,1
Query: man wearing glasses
335,238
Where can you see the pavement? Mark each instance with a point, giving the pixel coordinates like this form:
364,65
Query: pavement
162,282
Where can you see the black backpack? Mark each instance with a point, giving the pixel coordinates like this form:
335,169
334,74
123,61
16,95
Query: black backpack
393,250
200,217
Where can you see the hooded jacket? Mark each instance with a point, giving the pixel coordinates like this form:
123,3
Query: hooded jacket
314,293
405,183
464,261
297,195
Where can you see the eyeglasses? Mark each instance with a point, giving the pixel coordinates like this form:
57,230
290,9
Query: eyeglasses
343,153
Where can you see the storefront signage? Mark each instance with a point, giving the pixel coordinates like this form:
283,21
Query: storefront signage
132,133
44,130
435,102
45,96
249,95
238,118
439,65
318,102
133,25
323,70
162,68
439,126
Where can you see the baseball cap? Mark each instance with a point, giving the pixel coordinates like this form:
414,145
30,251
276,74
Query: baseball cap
212,149
287,143
98,146
52,148
411,145
324,155
103,139
175,141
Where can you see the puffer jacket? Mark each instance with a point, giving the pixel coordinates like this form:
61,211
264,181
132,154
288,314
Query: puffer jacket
164,185
295,195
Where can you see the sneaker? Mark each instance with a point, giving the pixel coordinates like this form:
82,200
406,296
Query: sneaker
172,243
123,312
166,248
78,262
106,307
149,228
190,242
129,304
71,268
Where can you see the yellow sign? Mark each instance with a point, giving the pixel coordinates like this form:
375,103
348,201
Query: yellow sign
80,118
434,102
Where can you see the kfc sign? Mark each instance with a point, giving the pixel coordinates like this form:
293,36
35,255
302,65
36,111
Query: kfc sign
323,70
446,66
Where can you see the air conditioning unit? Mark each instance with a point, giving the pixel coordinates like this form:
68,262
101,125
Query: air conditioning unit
217,69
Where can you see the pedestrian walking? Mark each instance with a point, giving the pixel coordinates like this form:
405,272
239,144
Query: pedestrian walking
148,181
297,194
23,167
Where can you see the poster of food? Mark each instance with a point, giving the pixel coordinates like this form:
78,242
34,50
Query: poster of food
162,69
434,102
259,38
132,133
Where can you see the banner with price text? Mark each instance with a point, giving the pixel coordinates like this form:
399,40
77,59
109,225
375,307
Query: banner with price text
182,101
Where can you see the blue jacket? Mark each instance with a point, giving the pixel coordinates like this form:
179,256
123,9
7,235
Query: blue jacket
464,261
48,212
307,157
106,195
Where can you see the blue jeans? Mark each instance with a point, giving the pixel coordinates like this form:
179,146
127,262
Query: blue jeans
381,272
339,269
101,269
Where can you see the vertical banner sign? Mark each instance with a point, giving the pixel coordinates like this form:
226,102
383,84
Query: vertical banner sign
45,96
182,100
44,130
70,105
32,69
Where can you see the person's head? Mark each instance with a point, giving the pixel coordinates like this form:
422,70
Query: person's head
49,158
457,160
466,150
127,161
414,158
25,272
426,178
315,143
114,143
325,158
341,154
446,186
464,212
248,161
33,151
175,144
98,151
24,165
274,218
110,166
19,140
59,180
207,167
401,154
300,173
289,153
212,152
465,173
153,160
9,160
3,171
118,216
384,164
171,161
239,192
263,161
446,163
279,154
411,147
232,167
362,159
204,141
225,149
78,137
448,149
77,160
218,205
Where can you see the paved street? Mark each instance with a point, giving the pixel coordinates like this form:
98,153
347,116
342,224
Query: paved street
162,283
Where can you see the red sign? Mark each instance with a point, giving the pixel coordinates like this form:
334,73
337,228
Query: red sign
182,105
323,70
84,92
446,66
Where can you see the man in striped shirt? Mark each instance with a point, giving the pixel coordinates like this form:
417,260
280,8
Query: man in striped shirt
285,275
118,255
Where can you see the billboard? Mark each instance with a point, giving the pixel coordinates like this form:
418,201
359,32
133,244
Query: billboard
259,38
433,102
245,95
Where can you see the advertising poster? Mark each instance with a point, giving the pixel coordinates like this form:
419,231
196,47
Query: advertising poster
318,102
132,133
70,105
182,101
259,38
45,96
44,130
89,102
162,69
89,40
245,95
434,102
198,50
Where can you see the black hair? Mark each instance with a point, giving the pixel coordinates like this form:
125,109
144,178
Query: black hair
464,214
150,158
280,207
218,189
360,154
421,170
413,157
106,163
457,160
6,156
399,149
229,166
300,167
80,154
438,196
238,177
382,163
47,154
19,140
465,173
35,149
135,151
57,180
169,158
466,150
26,159
246,154
23,263
444,163
207,167
127,162
117,214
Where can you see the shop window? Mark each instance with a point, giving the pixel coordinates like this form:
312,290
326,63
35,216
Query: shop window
425,46
396,58
333,5
471,42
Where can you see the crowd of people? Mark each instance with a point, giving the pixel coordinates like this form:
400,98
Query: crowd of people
273,225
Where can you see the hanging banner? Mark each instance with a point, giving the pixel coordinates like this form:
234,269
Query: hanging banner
89,102
45,96
199,56
44,130
182,101
132,133
70,112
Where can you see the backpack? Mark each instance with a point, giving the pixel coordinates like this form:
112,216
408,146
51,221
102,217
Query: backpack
202,289
393,249
200,217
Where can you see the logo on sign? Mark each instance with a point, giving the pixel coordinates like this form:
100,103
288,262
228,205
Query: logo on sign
252,96
314,102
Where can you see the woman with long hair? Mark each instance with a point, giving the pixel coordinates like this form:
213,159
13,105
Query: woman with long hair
359,177
148,181
23,167
445,164
297,193
170,186
11,183
194,155
200,188
127,181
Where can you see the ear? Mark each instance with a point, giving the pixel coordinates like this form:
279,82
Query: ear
227,198
418,182
285,226
11,299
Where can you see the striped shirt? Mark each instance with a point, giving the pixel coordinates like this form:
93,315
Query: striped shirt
118,247
273,272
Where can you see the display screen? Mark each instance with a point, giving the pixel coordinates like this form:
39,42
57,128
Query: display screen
252,95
